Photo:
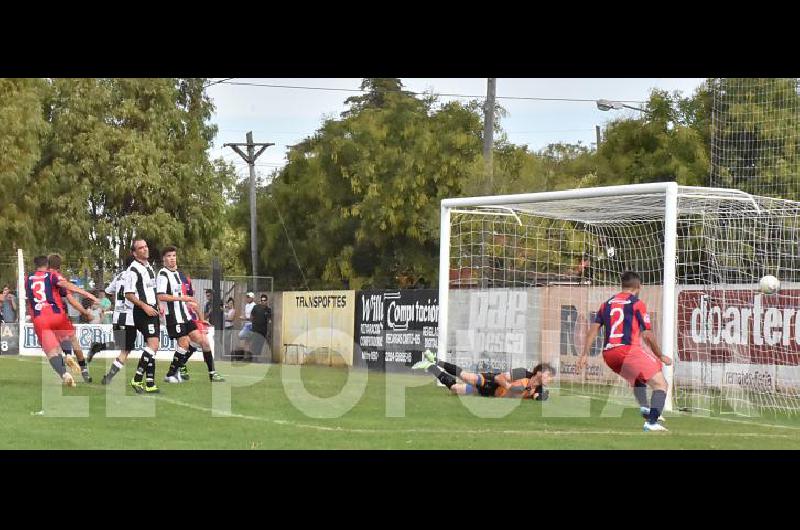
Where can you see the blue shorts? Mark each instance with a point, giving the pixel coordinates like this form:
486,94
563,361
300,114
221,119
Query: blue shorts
247,329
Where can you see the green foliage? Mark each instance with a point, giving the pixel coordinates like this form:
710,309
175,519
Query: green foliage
758,136
22,126
127,158
666,144
359,199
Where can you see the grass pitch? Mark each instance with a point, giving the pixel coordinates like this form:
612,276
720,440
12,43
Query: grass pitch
315,407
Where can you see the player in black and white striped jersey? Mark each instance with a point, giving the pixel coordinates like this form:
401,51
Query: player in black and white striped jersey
140,289
178,320
124,329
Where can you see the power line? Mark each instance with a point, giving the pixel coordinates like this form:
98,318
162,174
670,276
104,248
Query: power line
218,82
412,93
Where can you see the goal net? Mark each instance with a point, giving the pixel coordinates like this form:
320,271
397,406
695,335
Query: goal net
755,143
522,276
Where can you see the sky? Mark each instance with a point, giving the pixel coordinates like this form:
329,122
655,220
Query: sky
284,116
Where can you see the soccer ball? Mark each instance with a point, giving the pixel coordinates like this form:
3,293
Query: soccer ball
769,284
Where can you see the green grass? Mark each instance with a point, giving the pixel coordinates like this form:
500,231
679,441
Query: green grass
262,416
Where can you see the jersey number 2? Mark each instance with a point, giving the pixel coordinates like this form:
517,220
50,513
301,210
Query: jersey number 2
617,324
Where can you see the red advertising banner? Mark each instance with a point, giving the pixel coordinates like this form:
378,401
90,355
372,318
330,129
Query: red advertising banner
741,326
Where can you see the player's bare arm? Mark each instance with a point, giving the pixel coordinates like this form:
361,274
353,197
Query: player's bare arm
503,379
69,286
75,304
149,311
650,338
178,298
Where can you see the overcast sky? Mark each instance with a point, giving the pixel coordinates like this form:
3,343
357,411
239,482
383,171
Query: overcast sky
284,116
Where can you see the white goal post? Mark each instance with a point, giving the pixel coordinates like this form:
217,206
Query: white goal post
520,277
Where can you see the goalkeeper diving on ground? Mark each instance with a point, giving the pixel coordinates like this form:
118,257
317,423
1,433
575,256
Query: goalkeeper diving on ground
517,383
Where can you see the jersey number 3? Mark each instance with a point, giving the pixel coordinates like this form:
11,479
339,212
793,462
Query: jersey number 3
38,291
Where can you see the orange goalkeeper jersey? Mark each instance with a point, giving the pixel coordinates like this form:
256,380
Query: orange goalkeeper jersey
524,382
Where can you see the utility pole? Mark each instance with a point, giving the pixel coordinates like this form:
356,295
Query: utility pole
250,158
597,131
488,132
488,143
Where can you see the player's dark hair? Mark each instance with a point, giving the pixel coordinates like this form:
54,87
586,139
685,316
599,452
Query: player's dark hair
543,367
133,243
166,250
40,261
630,280
54,261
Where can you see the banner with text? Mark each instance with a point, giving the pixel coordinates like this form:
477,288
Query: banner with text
495,329
567,313
9,339
90,333
393,328
736,337
317,326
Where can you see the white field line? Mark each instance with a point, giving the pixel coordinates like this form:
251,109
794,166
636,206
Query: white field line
450,431
291,423
675,415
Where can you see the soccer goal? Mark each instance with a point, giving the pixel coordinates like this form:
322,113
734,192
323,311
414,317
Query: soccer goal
521,277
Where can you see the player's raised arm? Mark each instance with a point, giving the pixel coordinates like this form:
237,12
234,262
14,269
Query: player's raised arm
77,305
69,286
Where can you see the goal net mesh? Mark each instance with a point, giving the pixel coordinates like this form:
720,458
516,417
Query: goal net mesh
526,280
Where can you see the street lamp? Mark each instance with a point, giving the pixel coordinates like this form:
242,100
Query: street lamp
606,105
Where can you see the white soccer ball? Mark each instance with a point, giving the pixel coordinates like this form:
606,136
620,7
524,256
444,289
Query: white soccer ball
769,285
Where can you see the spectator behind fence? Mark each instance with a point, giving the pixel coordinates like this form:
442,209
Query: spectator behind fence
105,307
94,312
8,309
244,335
229,314
261,317
207,306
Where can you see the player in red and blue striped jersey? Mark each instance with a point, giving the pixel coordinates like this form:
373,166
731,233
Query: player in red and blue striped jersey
70,346
626,322
42,288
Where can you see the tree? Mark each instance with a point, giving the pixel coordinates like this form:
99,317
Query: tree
666,144
359,199
21,127
758,135
127,158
